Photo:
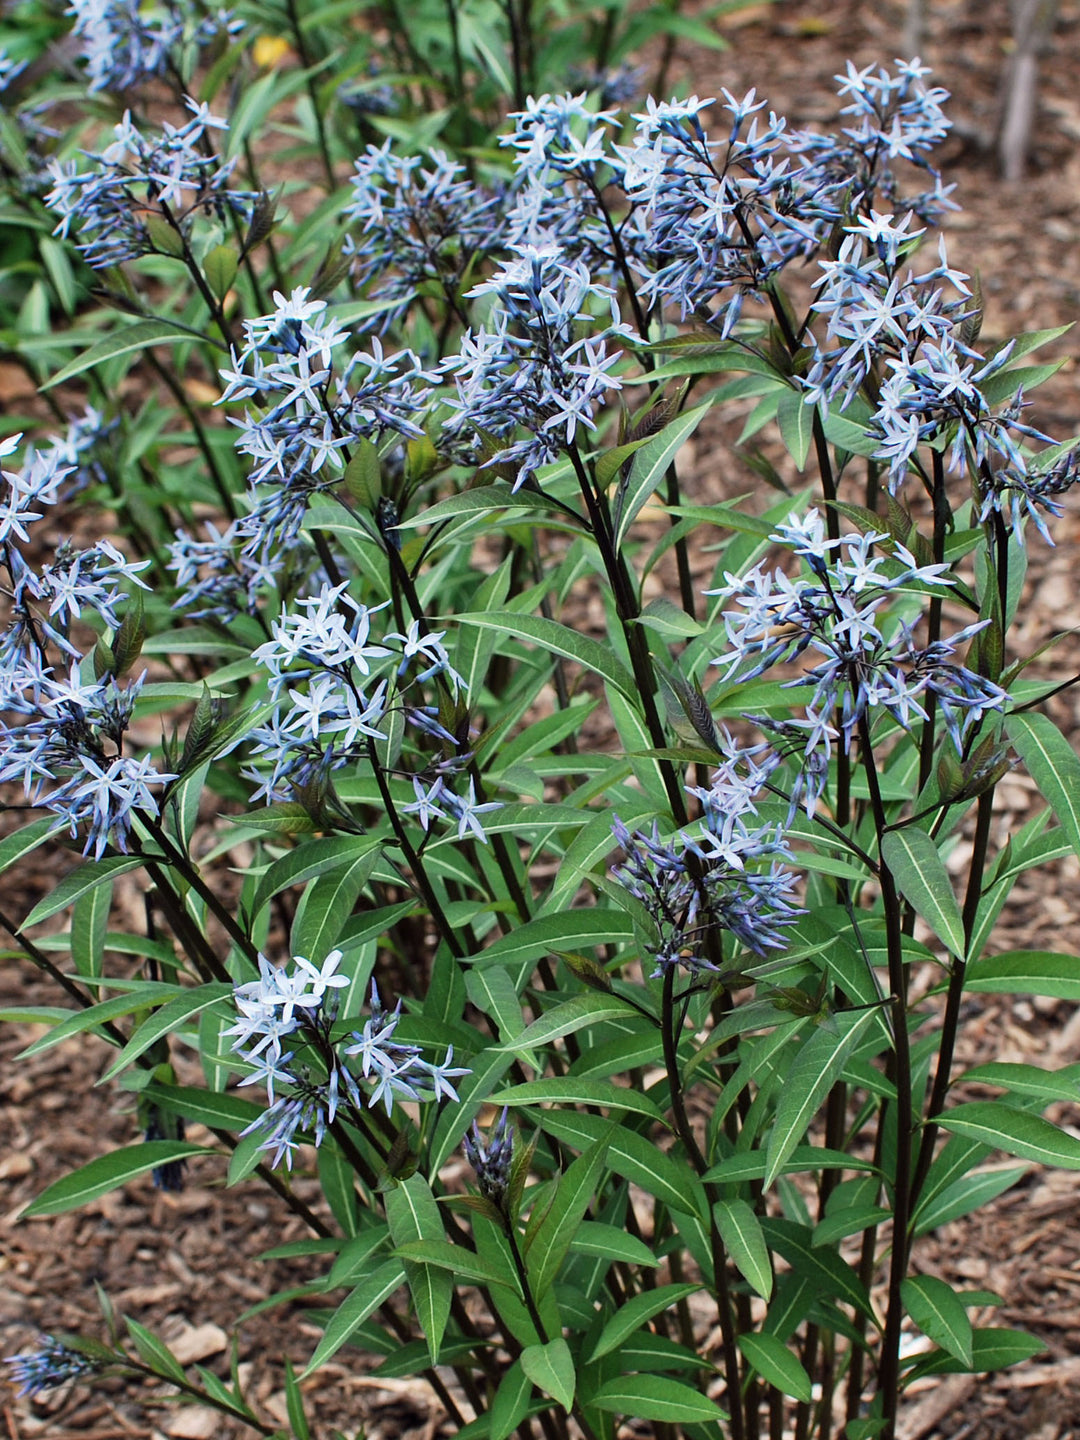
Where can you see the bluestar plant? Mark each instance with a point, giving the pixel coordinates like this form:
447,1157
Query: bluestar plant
396,496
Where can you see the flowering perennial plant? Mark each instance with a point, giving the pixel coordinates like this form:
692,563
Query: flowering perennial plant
294,1003
378,676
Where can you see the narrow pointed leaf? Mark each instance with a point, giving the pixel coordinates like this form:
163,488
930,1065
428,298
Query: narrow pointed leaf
631,1155
740,1230
167,1018
79,882
1017,1132
924,882
816,1068
1027,972
939,1313
637,1312
355,1309
109,1172
650,466
550,1367
1054,766
459,1261
123,342
573,1090
566,1019
559,640
414,1215
776,1365
21,842
655,1397
548,1244
511,1402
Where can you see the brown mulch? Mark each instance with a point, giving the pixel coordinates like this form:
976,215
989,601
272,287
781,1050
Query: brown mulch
186,1265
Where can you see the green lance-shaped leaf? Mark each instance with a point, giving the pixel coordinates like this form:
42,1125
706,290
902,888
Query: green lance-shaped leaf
822,1266
89,927
459,1262
294,1404
414,1215
325,906
566,1019
148,992
632,1155
610,1243
548,1243
155,1352
550,1367
511,1402
740,1230
1017,1132
655,1397
649,467
776,1365
993,1348
167,1018
123,342
816,1068
21,842
307,862
109,1172
1026,972
554,934
1054,766
562,641
573,1090
924,883
637,1312
355,1309
939,1313
212,1108
220,267
478,501
796,420
78,882
965,1196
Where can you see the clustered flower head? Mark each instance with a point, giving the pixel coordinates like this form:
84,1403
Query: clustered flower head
543,365
894,116
418,222
141,180
840,612
725,875
124,42
52,1364
315,403
66,745
294,1003
491,1159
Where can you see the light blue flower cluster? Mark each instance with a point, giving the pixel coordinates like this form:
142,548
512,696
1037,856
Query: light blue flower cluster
66,745
123,42
894,116
319,661
867,664
907,331
544,364
314,407
139,179
296,1003
52,1364
417,223
727,874
330,703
